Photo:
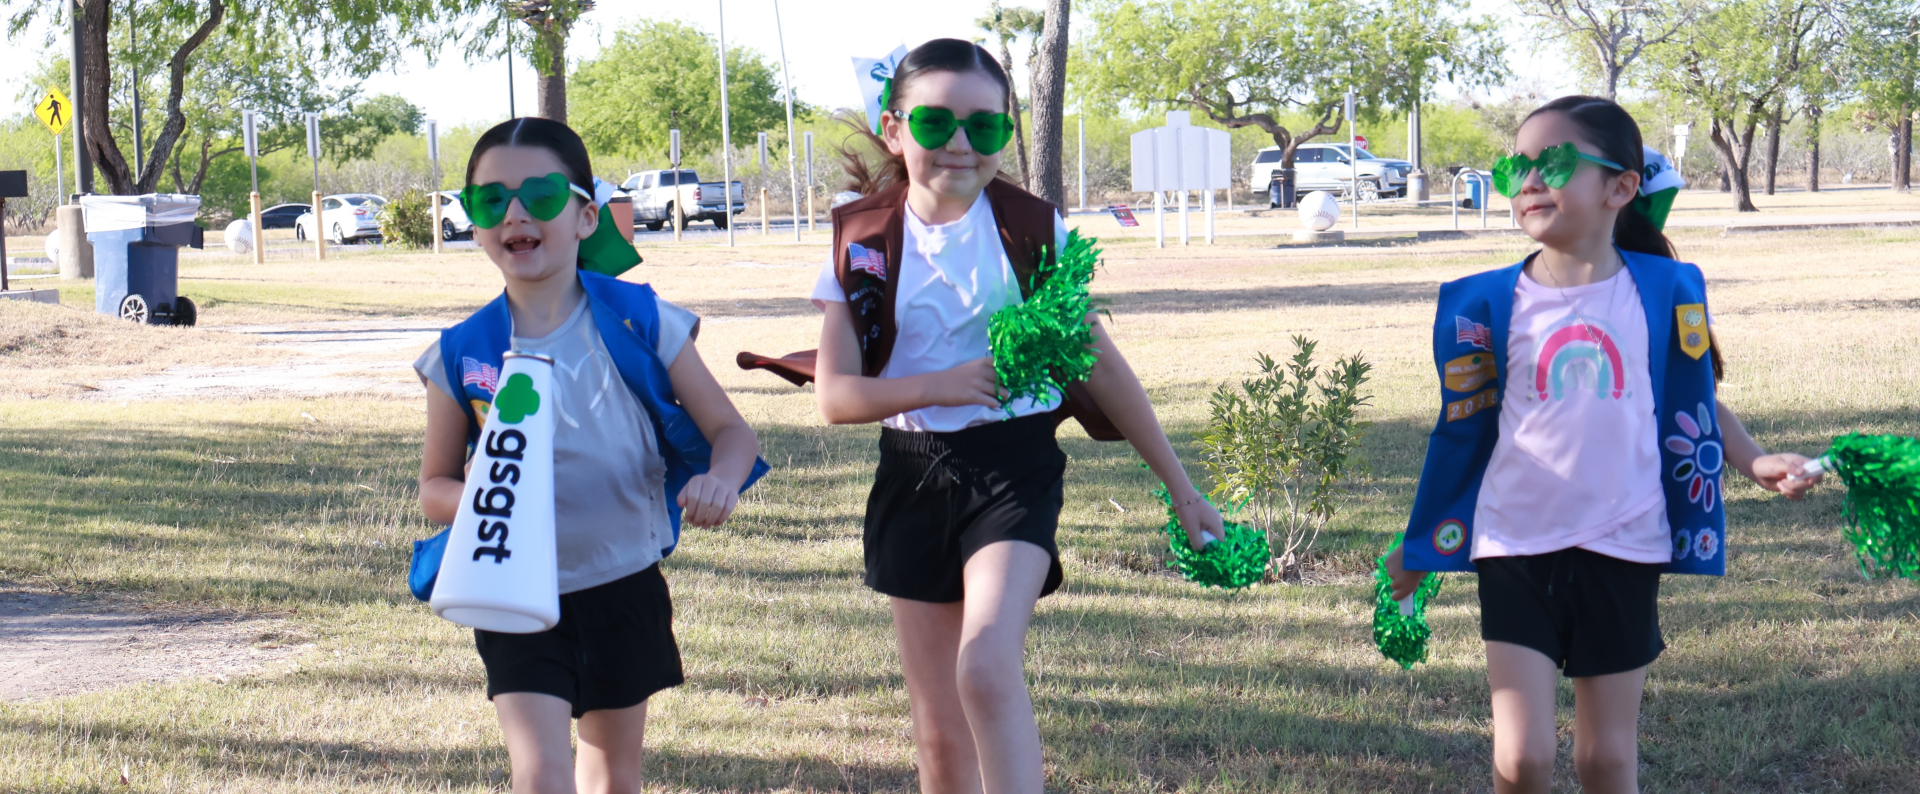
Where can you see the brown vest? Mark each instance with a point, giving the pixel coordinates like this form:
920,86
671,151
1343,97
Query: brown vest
877,223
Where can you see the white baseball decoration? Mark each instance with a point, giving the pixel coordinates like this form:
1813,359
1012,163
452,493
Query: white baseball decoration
1319,211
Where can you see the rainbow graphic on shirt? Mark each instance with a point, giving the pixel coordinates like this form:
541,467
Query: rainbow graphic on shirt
1579,350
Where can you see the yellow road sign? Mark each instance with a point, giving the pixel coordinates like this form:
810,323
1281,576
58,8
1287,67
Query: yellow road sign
54,110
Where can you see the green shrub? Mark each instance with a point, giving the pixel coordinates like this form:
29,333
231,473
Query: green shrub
1284,448
407,221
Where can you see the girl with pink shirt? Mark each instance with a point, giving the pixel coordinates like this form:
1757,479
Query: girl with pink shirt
1579,451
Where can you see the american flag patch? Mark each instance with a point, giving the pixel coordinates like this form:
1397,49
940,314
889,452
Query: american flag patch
474,373
866,260
1472,333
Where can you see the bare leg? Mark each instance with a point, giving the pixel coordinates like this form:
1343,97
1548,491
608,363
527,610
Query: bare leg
1003,583
929,638
539,733
610,750
1606,731
1523,682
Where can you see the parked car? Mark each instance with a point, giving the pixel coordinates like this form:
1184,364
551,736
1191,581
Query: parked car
1324,166
656,193
454,224
282,216
350,217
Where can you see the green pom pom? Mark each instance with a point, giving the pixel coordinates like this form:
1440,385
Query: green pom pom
1882,510
1046,342
1238,560
1401,637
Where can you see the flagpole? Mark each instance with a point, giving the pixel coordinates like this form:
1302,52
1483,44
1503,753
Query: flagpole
793,172
726,131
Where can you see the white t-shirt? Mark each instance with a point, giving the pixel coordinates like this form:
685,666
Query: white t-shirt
953,277
609,496
1578,460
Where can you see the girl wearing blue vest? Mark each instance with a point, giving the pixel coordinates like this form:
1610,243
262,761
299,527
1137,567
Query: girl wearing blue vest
644,439
961,520
1580,446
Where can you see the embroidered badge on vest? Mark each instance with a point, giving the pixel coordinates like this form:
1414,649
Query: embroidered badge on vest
1466,373
1468,332
1449,536
1694,339
867,260
1701,456
1461,409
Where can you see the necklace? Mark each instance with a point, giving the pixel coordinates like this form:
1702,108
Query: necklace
1579,316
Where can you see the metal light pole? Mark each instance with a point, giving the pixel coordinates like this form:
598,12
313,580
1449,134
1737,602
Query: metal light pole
138,141
510,111
433,194
250,119
793,174
1353,158
82,164
1083,160
726,131
313,155
809,144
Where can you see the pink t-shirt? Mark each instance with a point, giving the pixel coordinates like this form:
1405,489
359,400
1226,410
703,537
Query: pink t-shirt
1578,460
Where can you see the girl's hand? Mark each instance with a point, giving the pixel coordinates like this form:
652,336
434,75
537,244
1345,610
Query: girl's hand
1404,581
1772,472
708,501
971,383
1200,519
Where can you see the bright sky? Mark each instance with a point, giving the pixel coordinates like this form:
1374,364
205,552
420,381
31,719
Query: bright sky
822,35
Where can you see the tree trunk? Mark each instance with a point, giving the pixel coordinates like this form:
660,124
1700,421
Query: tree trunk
1734,161
1013,109
1773,148
96,21
1902,151
1813,149
552,66
1049,99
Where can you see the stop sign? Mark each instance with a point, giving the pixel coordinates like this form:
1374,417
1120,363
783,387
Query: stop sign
1361,141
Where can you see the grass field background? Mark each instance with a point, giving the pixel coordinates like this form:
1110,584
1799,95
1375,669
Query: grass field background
1791,673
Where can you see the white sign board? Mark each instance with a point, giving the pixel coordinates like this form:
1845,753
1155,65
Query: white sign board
1181,156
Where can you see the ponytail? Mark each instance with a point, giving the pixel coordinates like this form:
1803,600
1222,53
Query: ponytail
1635,232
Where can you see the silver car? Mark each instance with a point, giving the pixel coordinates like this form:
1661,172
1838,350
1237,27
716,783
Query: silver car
1324,166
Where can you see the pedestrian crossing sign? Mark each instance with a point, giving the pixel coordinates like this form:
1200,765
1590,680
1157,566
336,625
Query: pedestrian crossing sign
54,110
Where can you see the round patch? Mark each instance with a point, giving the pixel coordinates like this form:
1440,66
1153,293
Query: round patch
1711,457
1706,544
1449,536
1693,339
1682,544
1692,317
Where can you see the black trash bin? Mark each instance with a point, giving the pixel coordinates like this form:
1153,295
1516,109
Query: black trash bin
1281,190
136,255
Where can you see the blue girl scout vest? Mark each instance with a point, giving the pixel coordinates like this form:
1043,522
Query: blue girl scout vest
1470,352
628,320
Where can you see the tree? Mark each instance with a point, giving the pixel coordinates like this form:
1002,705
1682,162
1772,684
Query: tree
657,76
1735,65
1615,34
335,37
552,21
1242,62
1009,24
1884,61
1049,92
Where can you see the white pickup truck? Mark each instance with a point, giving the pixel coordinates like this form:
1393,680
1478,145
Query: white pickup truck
656,192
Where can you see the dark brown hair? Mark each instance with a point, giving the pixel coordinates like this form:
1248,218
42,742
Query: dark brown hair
939,55
1612,130
540,133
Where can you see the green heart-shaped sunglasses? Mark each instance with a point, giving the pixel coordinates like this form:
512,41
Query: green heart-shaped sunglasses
1556,164
543,196
932,127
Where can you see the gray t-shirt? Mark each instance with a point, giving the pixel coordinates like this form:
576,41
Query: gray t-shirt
610,505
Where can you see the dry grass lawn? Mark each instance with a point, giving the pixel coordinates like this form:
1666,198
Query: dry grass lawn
1789,674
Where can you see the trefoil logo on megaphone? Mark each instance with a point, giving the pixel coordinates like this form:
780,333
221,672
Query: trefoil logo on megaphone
485,582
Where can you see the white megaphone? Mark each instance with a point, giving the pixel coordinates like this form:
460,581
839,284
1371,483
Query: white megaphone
500,571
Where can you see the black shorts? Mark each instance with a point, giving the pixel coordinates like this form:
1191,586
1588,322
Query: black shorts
613,648
1590,613
939,497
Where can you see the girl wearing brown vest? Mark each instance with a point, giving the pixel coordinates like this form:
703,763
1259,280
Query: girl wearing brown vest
960,523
